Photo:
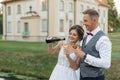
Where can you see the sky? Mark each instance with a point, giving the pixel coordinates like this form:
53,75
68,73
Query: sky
117,5
0,0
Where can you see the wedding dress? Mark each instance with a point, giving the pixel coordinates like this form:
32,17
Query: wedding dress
62,70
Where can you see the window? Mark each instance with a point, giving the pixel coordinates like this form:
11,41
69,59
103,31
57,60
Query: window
70,23
9,10
44,25
61,25
99,11
61,5
70,7
18,9
26,25
26,30
99,23
9,27
88,7
81,8
94,8
104,27
18,27
81,23
44,5
104,15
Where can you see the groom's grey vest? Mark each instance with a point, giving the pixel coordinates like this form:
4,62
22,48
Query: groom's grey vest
89,48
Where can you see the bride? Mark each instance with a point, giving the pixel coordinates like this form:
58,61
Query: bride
67,67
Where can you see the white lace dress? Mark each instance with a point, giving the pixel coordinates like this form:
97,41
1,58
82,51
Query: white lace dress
62,70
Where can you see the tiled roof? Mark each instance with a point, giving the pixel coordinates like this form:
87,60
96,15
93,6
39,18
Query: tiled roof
101,3
6,1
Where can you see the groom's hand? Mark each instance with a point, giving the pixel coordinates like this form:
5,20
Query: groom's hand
79,53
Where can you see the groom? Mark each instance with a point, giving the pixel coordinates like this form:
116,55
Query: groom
96,49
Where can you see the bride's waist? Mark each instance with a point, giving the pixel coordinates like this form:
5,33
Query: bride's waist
66,64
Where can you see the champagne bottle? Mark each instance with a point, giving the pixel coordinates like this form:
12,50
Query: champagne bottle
53,39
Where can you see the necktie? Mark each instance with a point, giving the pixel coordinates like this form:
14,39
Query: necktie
90,34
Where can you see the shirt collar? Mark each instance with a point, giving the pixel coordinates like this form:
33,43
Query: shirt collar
94,32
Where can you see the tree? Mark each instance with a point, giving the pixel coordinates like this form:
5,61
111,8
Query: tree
1,23
113,20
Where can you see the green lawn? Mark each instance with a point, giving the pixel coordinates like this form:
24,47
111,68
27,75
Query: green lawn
114,72
27,58
115,38
32,59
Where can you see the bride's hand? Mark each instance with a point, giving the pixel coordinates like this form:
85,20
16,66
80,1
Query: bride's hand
67,49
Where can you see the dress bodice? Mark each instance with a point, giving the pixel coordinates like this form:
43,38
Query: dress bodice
63,60
62,70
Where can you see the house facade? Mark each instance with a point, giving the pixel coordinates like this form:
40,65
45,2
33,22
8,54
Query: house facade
34,20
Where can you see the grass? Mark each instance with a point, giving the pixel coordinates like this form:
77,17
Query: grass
114,72
115,37
22,47
27,58
32,59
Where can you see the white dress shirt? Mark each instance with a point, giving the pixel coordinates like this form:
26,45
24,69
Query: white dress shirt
103,46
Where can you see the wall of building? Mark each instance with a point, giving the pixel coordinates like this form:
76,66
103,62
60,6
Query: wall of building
53,15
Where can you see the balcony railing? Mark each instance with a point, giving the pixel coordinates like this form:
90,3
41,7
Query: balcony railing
25,34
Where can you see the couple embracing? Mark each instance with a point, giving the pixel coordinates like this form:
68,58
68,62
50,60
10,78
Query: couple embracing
84,56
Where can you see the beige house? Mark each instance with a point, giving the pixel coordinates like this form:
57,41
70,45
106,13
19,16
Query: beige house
34,20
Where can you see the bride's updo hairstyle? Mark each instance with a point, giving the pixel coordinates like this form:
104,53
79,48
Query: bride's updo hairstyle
79,30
